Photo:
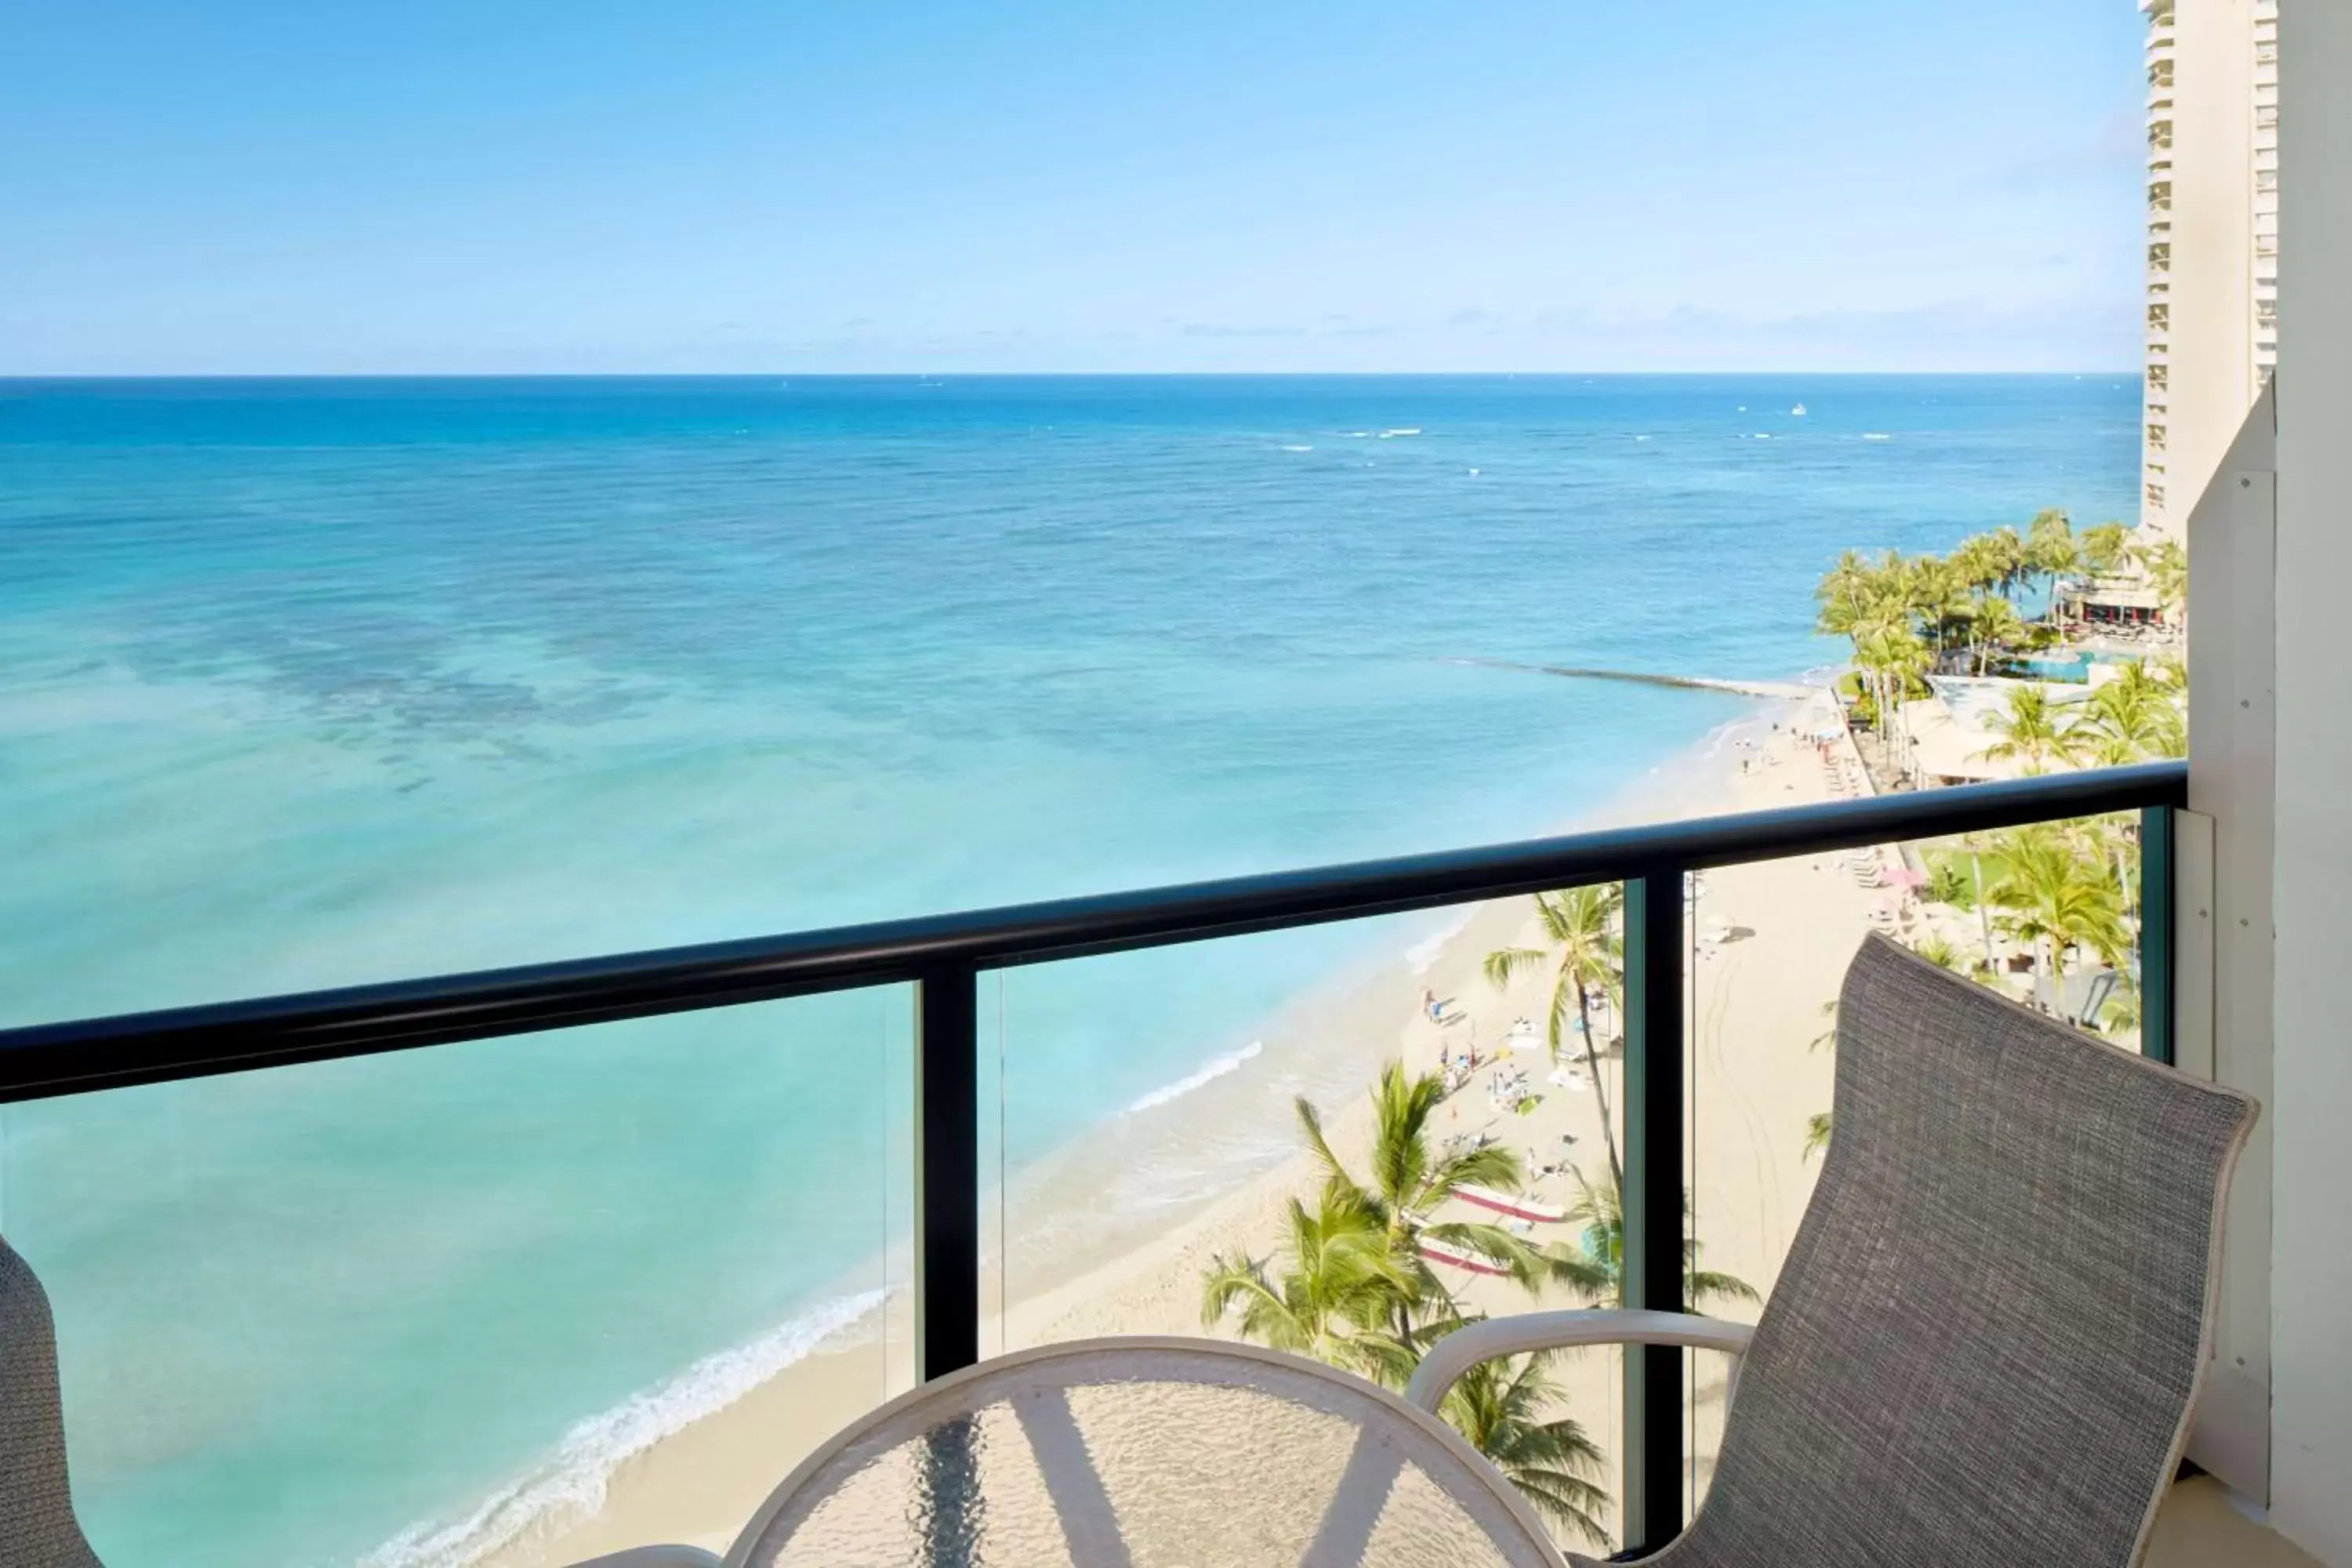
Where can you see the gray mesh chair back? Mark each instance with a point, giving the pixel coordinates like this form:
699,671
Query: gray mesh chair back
1986,1338
37,1528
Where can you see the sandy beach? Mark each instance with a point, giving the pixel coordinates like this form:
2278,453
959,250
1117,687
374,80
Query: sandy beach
1778,936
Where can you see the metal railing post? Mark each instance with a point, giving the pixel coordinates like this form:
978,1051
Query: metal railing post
1652,1200
947,1170
2156,933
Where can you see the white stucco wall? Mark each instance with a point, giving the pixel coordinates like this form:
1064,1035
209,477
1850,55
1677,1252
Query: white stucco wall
2311,1103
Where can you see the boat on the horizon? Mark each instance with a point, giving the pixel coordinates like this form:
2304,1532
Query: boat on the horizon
1798,411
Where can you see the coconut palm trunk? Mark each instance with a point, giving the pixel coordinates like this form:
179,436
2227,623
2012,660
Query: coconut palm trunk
1577,923
1600,1089
1984,915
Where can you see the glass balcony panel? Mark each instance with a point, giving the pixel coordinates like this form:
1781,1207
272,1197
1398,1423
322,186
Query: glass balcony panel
1146,1138
550,1296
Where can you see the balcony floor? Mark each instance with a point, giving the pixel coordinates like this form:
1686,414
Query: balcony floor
2197,1528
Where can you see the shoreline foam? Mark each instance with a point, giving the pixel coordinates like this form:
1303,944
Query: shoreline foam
576,1479
1217,1067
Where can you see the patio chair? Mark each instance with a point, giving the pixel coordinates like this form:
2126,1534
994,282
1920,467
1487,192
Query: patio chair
1987,1340
37,1528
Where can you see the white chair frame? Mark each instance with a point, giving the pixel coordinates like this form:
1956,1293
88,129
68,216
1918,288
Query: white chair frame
1361,1490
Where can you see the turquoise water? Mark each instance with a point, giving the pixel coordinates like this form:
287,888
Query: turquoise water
304,683
2076,666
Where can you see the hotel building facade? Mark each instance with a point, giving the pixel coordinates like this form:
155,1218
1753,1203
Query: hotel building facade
2212,310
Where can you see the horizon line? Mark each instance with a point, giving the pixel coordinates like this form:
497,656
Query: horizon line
6,375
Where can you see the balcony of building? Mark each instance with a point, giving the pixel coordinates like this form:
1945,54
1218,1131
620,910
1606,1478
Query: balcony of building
1692,895
946,1249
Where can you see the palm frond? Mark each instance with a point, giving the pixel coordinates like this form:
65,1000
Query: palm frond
1505,963
1817,1134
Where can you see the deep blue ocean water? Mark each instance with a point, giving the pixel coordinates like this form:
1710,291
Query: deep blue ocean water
310,682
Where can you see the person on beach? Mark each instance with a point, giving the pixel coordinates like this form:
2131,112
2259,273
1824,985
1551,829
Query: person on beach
1436,1008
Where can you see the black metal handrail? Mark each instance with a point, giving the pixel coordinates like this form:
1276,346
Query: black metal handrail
232,1036
944,954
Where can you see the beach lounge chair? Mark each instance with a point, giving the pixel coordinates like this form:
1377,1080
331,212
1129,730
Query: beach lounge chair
1984,1346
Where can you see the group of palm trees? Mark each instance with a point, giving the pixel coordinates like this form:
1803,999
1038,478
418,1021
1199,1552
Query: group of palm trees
1352,1285
2061,888
1911,615
2064,888
2141,713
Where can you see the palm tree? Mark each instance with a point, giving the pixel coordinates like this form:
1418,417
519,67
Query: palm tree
2031,732
1498,1406
1940,598
1333,1297
1817,1134
1893,659
2106,748
1408,1184
2105,547
2166,566
1594,1265
2050,547
1817,1126
1996,625
2133,716
1348,1287
1977,561
1354,1281
1844,589
2005,552
1580,922
1937,950
1854,613
2052,898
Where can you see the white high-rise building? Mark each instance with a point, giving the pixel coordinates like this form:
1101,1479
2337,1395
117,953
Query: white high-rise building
2213,239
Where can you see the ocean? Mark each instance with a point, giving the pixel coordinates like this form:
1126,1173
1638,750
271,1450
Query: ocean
312,682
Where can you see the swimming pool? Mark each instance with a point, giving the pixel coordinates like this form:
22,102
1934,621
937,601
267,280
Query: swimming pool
2075,666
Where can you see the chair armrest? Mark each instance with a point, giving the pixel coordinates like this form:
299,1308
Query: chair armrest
1466,1346
656,1557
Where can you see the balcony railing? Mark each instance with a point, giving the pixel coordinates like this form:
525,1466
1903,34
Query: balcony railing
945,956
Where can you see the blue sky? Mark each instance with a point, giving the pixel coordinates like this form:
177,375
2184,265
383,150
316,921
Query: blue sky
203,186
